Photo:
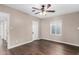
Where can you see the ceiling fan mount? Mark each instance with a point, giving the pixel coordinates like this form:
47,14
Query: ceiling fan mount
43,9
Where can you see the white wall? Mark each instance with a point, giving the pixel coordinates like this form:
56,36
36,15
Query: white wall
20,26
70,34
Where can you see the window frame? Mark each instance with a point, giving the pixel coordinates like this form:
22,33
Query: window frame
59,23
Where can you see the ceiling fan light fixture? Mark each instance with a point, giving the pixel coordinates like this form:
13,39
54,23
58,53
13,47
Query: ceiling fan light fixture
43,13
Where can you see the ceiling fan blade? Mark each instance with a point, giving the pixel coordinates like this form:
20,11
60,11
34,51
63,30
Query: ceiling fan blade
37,13
35,8
49,5
50,11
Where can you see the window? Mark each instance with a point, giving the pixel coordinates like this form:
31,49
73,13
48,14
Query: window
56,28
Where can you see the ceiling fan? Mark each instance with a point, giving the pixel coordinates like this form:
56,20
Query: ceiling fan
43,10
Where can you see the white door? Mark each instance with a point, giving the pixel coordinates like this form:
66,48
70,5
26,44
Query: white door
35,30
4,25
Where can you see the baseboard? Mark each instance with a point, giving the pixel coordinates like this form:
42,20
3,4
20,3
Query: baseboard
44,39
19,44
64,42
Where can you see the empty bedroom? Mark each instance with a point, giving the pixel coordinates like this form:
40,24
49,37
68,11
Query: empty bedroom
39,29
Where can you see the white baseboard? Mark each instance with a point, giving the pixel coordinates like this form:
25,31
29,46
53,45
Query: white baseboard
19,44
64,42
41,39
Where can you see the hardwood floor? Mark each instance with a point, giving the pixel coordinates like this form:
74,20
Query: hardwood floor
45,47
42,47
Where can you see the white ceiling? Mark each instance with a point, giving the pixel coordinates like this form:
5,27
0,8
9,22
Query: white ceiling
59,8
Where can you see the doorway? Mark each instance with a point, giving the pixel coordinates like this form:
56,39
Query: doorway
4,29
35,26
